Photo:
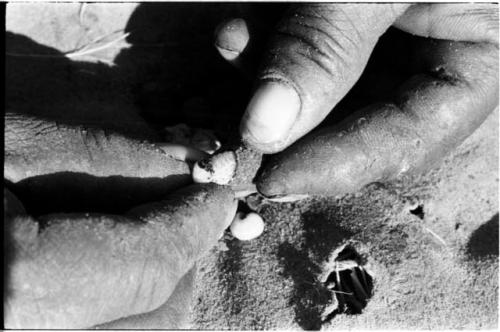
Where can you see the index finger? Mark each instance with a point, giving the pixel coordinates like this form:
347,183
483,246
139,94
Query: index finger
432,113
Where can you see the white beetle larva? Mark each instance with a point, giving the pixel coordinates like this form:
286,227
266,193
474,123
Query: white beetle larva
246,227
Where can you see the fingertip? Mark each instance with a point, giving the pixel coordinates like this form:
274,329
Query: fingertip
213,200
231,38
224,200
268,183
232,208
270,116
219,207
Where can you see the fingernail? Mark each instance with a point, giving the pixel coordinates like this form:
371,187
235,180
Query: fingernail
231,38
271,113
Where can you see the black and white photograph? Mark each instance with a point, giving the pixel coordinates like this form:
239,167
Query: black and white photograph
251,165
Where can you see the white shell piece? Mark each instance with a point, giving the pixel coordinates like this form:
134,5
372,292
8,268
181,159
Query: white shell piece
201,175
247,227
224,166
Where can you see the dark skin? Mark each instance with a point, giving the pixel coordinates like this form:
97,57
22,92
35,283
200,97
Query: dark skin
102,226
133,270
313,60
316,54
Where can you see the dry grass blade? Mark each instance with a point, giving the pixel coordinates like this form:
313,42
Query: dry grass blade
345,265
85,50
440,239
83,6
340,292
357,285
363,275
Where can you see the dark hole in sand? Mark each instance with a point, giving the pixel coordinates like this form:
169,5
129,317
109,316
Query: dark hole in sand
418,211
350,283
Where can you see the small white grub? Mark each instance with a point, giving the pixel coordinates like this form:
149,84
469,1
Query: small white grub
219,169
247,227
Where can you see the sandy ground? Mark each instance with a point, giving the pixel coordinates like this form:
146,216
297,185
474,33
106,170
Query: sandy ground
421,280
430,242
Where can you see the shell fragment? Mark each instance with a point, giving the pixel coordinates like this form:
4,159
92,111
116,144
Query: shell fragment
246,227
219,169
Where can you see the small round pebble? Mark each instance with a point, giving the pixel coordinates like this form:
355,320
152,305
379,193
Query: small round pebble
246,227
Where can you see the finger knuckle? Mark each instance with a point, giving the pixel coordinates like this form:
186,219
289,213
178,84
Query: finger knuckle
22,132
486,17
318,41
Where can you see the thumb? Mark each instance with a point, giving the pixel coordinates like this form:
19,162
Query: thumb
317,53
173,314
80,270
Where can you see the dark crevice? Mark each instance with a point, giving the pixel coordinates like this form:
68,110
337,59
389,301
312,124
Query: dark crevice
418,211
68,192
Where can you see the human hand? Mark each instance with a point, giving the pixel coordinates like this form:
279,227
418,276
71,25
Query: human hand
116,268
78,270
75,143
316,55
129,271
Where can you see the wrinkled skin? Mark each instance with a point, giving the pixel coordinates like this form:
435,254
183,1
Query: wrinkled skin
135,270
126,267
77,270
102,226
316,54
129,269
